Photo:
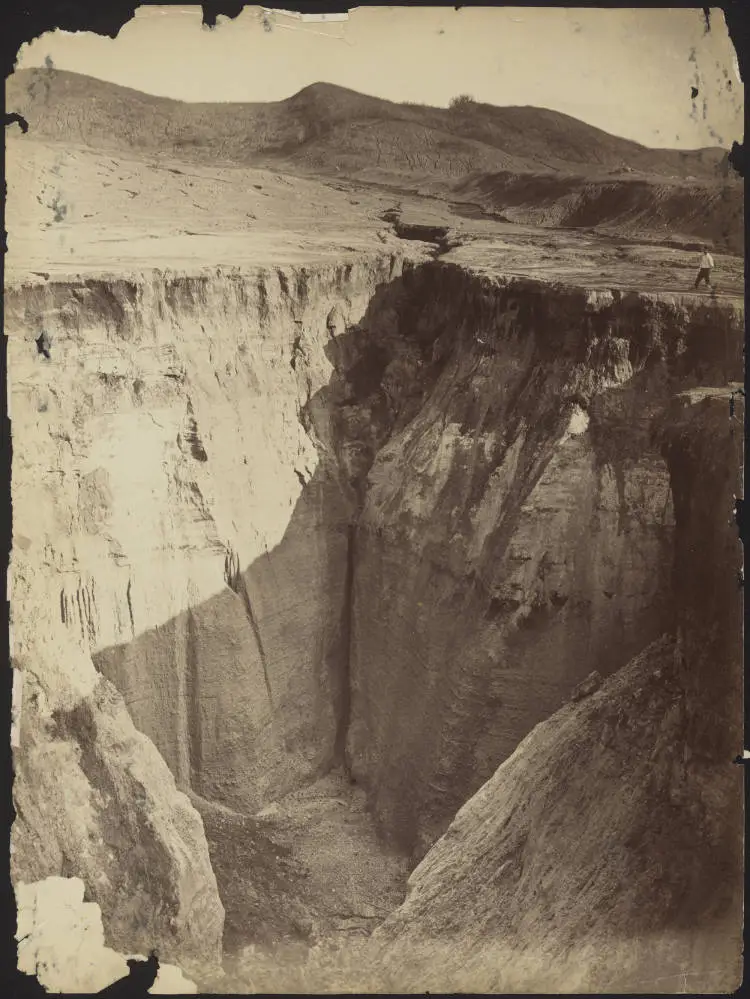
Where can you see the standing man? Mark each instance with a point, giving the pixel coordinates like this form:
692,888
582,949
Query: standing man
706,265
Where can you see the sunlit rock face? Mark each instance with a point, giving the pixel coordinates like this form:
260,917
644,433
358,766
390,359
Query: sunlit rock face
181,538
191,518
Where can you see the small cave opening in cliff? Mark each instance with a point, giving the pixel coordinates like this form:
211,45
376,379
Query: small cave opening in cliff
446,513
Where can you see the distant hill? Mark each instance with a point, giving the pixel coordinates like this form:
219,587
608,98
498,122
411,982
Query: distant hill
331,129
523,163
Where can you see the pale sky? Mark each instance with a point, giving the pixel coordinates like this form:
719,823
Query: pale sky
629,71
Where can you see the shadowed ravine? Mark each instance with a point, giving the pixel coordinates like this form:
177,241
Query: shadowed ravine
417,772
490,503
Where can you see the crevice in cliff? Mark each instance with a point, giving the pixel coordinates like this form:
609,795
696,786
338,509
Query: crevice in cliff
193,693
384,369
236,583
344,706
129,596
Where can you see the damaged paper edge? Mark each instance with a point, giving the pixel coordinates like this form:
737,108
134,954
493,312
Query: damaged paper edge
344,16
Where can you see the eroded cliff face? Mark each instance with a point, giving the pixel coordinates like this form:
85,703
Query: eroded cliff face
702,439
181,544
606,853
376,515
198,531
93,797
517,532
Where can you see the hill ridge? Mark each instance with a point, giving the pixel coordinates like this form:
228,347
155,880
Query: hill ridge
530,165
557,141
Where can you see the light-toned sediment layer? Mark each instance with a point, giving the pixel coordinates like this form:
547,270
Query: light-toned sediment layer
159,458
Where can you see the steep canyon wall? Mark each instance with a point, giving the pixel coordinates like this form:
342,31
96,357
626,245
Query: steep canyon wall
379,514
158,453
606,853
517,532
165,457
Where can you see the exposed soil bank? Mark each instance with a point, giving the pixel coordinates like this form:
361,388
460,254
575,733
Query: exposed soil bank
606,853
650,208
517,528
374,517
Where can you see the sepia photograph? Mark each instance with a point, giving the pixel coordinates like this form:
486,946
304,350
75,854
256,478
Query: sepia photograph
375,383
